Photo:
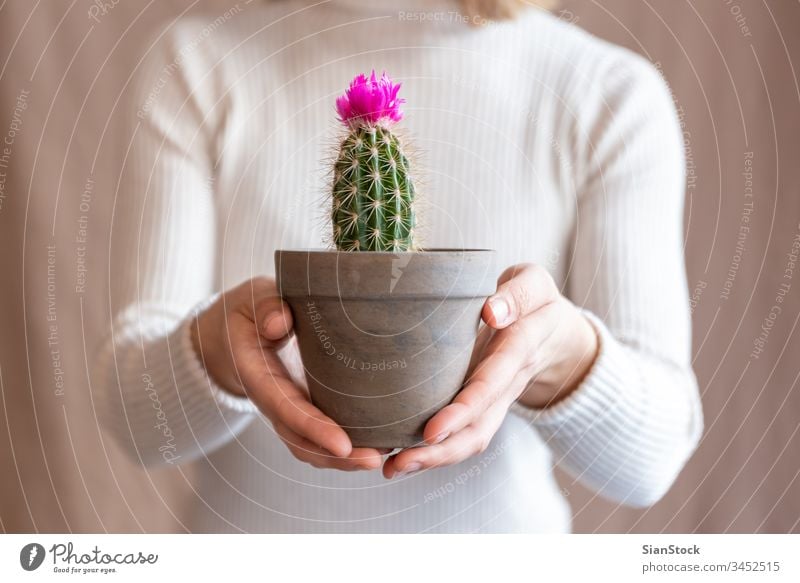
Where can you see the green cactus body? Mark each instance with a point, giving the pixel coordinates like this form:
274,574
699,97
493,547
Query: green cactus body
373,193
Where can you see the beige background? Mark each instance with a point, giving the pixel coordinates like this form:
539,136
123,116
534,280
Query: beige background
738,92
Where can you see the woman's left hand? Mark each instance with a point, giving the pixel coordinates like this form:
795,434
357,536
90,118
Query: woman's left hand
536,348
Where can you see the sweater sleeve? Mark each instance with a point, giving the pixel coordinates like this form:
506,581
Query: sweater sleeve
628,429
153,394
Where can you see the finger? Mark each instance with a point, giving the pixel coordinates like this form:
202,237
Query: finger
260,303
297,412
466,443
522,289
274,319
268,385
271,315
359,459
492,381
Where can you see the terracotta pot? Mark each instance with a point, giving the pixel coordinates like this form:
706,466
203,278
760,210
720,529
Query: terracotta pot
385,338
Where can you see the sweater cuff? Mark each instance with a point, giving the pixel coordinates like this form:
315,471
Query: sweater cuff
599,399
190,364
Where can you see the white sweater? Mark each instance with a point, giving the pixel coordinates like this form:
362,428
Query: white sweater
536,139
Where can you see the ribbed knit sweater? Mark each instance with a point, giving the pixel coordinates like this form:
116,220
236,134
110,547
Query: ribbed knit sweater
534,138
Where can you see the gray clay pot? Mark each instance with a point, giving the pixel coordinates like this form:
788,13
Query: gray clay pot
385,338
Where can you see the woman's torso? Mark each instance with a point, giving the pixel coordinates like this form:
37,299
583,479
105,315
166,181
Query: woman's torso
490,115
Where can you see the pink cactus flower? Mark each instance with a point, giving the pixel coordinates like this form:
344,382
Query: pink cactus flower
370,101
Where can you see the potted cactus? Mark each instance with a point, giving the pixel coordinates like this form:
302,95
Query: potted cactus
385,328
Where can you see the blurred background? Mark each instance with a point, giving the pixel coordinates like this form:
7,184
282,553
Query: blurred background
733,68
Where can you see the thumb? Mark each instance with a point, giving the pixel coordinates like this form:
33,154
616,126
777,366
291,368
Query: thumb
523,289
274,319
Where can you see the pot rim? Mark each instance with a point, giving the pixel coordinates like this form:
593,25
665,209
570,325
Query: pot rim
378,275
433,250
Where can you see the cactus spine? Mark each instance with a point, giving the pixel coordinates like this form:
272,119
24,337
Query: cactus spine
373,193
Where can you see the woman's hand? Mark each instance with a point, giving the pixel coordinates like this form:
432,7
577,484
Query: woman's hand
238,338
536,348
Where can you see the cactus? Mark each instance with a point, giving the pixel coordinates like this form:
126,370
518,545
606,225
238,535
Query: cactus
373,193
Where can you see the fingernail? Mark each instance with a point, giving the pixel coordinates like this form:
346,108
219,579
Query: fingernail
441,437
275,327
409,469
500,310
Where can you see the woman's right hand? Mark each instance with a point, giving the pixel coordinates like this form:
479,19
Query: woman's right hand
238,338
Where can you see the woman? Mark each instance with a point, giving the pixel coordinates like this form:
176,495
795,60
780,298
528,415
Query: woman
553,147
